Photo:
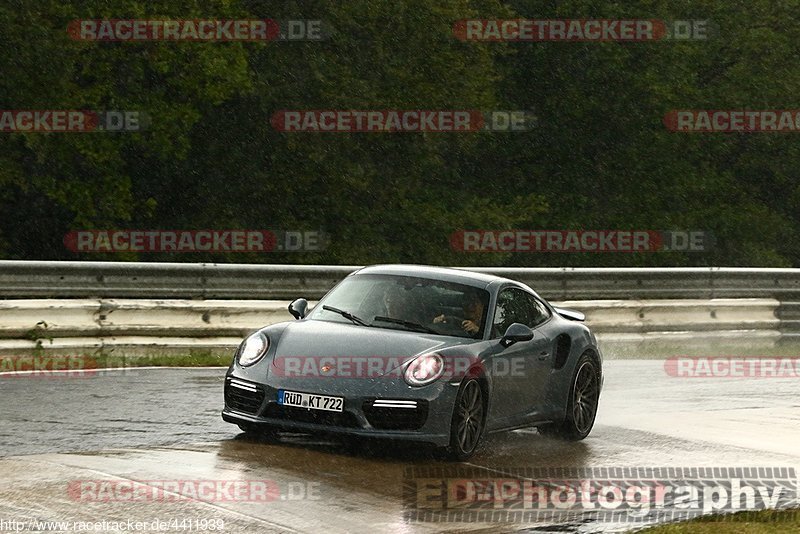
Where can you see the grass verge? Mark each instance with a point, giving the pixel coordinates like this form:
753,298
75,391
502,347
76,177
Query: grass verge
763,521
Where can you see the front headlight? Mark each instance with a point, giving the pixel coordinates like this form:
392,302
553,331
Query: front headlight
253,349
424,369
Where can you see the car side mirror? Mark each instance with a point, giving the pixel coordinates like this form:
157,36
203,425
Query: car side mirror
298,308
515,333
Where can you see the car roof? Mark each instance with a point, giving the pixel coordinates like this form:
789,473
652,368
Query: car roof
436,273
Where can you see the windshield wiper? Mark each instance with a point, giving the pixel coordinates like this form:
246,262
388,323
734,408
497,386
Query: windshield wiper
408,324
347,315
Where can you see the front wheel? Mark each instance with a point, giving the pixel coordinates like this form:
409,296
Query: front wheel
466,429
582,404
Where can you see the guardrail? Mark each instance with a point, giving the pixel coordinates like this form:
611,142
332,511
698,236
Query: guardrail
178,325
23,318
177,306
71,279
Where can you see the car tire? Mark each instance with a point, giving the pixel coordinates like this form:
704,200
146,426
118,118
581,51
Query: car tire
469,420
582,402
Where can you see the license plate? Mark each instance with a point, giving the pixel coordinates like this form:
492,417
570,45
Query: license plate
310,401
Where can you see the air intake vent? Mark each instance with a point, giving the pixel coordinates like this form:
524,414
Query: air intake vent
396,414
243,396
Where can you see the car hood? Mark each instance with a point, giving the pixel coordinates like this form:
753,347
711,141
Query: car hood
317,339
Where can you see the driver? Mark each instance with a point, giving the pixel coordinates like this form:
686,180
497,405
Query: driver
472,308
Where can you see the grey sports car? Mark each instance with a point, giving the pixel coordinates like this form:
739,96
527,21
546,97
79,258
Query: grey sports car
433,355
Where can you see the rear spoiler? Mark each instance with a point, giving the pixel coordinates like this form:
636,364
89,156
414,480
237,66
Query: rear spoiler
572,315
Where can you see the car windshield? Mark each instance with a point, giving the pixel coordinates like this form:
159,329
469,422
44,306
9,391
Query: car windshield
407,303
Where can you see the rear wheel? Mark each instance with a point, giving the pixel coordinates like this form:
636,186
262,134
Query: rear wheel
466,429
581,405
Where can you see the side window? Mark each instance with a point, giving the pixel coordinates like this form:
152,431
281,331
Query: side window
517,306
511,308
540,312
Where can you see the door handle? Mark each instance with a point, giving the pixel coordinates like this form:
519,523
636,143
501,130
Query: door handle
544,355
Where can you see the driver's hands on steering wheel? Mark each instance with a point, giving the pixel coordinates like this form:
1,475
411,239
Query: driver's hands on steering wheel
469,326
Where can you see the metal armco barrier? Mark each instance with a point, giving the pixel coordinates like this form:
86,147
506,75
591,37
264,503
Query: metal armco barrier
170,306
50,279
178,325
62,318
74,279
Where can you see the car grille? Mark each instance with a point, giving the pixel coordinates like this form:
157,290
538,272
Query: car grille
304,415
243,396
391,414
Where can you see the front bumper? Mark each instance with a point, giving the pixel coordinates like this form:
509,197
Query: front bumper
421,414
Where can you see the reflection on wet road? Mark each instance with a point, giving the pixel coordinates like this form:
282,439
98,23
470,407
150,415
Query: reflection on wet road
164,425
129,408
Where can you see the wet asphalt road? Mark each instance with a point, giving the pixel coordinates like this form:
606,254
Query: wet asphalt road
157,425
